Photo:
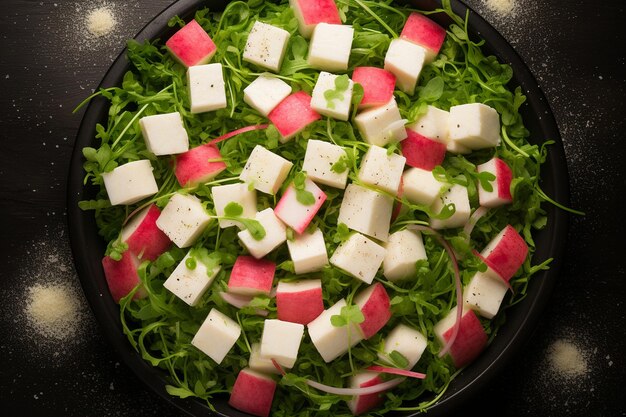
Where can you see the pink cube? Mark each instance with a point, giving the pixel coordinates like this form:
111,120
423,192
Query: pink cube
423,31
378,85
122,277
501,193
471,338
312,12
505,254
253,393
295,214
198,165
251,276
145,240
422,152
191,45
299,302
363,403
293,115
375,306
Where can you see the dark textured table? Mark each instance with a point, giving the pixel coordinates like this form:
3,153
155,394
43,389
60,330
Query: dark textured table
48,65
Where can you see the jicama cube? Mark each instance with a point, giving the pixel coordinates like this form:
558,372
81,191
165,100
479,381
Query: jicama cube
121,276
275,234
183,219
378,85
144,239
318,163
234,193
164,134
425,32
484,294
131,182
311,12
422,152
299,301
206,88
293,115
404,249
474,125
505,253
380,170
253,393
360,404
405,60
501,192
420,186
338,106
407,341
457,195
191,45
198,165
366,211
266,46
433,124
264,93
259,363
308,252
360,257
456,148
190,284
471,338
330,47
251,276
330,341
381,125
296,214
217,335
374,303
281,341
265,170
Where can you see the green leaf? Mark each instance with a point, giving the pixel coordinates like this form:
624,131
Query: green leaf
398,359
233,209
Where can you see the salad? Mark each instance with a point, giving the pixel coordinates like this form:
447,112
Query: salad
315,207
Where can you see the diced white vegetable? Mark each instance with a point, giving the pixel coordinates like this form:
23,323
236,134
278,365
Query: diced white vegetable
308,252
275,234
381,125
404,249
420,186
337,108
266,46
206,88
405,60
406,341
164,134
484,294
234,193
312,12
433,124
130,182
260,363
190,284
295,214
217,335
360,404
330,341
456,148
183,219
330,47
265,170
319,158
380,170
265,92
457,195
474,125
359,256
281,341
299,301
500,193
366,211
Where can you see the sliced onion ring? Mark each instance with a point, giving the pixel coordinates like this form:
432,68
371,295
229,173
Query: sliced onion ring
476,215
237,132
396,371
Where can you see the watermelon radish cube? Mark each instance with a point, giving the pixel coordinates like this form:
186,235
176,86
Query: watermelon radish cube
281,341
330,46
294,213
331,341
420,186
425,32
359,257
405,340
374,304
360,404
458,196
311,12
381,125
293,115
217,335
433,124
422,152
130,183
265,93
121,276
337,107
164,134
266,46
405,60
198,165
191,45
190,284
381,170
183,219
308,252
253,393
484,294
471,338
275,234
259,363
251,276
501,192
145,240
299,301
378,85
505,253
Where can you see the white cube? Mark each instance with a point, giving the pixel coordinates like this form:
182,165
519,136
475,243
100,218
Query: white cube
183,219
308,252
366,211
275,234
234,193
404,249
206,88
360,257
406,341
405,60
381,125
339,108
130,182
265,170
474,125
319,159
484,294
330,341
164,134
457,195
281,341
433,124
456,148
265,92
259,363
190,284
217,335
380,170
330,47
420,186
266,46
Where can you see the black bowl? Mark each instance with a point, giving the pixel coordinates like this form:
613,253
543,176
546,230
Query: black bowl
88,247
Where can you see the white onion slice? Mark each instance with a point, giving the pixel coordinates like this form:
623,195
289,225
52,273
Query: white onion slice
237,132
476,215
396,371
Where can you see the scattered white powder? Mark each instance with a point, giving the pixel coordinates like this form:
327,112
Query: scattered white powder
100,21
502,7
566,359
53,310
